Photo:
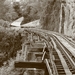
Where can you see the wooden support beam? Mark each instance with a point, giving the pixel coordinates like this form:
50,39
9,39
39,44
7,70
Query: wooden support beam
38,38
48,70
38,65
43,57
1,64
41,53
36,53
36,50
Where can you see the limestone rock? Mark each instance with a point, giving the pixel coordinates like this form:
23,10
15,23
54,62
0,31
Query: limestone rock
59,15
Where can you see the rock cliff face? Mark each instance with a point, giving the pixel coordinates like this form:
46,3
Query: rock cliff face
50,18
69,16
59,15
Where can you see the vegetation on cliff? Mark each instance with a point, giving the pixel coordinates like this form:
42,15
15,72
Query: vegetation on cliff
50,15
10,42
7,14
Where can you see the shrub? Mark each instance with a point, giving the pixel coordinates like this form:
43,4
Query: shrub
10,42
4,23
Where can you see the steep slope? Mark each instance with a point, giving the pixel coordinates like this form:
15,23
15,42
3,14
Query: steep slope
50,18
69,22
58,15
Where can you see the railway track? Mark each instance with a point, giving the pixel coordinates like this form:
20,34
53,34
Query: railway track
62,58
66,59
71,42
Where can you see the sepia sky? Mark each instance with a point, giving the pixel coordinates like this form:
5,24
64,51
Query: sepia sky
17,0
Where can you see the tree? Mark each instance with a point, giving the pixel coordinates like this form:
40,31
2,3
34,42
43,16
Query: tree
11,16
4,23
1,3
16,6
26,15
3,9
31,11
10,43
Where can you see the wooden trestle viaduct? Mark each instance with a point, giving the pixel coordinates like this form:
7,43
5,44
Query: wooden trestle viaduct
54,53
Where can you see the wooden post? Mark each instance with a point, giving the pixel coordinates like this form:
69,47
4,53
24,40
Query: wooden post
38,65
44,46
25,52
28,36
38,38
43,57
31,39
23,49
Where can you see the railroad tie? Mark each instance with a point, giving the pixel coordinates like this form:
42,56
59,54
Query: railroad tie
64,64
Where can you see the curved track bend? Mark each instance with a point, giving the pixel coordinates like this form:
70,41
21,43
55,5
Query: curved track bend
62,56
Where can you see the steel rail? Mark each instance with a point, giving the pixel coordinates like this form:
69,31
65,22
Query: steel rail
72,43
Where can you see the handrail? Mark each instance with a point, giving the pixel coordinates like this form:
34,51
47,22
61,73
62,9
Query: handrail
48,67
